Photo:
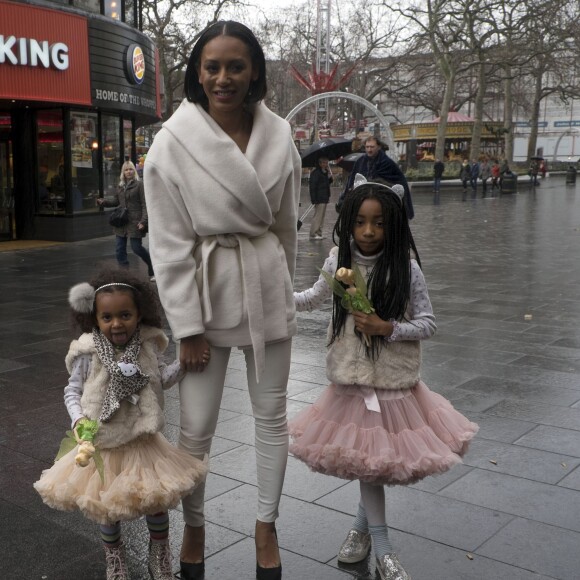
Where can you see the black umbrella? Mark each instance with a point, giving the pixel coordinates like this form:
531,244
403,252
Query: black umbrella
347,162
536,158
331,147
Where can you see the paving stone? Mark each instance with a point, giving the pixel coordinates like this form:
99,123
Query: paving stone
565,441
572,481
500,428
519,461
534,546
538,413
541,502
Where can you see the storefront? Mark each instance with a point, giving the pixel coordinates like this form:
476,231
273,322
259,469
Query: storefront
74,87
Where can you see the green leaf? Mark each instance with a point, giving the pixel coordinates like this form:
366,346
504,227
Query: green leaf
66,446
99,465
359,280
333,283
87,429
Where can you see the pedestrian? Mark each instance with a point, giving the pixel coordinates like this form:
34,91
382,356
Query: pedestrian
116,385
377,422
474,175
222,181
484,175
375,163
319,186
543,168
130,194
504,170
465,175
533,172
438,169
494,176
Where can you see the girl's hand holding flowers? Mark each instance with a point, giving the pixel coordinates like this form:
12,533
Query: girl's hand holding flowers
83,435
354,298
372,324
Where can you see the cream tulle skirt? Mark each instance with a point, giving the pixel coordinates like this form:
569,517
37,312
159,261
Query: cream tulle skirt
411,434
145,476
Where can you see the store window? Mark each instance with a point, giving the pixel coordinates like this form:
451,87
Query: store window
130,13
113,9
112,159
88,5
50,155
7,222
84,161
128,138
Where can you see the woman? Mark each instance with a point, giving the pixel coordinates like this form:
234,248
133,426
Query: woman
222,183
131,195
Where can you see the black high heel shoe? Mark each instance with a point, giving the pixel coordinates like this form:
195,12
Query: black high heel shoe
269,573
192,571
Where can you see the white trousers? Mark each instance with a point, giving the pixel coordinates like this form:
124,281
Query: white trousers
200,397
317,220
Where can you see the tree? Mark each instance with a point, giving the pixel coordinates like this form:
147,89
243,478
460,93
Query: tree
163,23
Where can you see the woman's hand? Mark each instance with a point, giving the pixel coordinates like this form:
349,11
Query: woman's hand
140,226
372,324
194,353
100,200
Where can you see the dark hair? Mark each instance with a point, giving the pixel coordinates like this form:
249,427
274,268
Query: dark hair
144,295
389,283
258,88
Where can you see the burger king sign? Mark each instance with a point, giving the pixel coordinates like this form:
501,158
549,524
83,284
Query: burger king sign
135,64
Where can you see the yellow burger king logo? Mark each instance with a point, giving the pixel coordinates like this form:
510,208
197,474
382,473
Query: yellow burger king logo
138,64
135,64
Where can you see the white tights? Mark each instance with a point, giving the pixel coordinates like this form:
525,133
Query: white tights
373,501
200,397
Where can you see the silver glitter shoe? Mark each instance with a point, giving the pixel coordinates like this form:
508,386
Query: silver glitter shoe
116,562
160,561
390,568
355,548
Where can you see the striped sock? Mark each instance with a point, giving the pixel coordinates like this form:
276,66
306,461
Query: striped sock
381,542
158,525
111,534
360,522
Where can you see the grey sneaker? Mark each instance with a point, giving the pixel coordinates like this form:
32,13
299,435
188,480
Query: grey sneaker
390,568
355,548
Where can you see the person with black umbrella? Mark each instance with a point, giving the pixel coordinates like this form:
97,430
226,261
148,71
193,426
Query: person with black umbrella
319,186
376,163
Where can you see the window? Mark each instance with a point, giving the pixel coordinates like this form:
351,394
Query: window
84,161
50,155
112,159
128,138
113,9
88,5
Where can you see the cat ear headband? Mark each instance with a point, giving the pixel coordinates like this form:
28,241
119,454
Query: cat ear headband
81,297
397,188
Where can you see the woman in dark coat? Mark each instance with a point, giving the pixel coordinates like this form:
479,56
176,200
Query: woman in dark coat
130,194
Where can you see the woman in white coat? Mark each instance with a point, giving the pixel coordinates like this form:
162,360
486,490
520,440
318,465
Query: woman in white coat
222,182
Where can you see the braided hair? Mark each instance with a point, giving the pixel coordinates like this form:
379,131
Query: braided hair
389,283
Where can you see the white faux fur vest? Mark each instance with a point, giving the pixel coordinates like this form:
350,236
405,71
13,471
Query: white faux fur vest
130,421
397,367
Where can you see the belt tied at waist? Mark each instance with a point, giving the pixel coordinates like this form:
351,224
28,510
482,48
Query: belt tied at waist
252,288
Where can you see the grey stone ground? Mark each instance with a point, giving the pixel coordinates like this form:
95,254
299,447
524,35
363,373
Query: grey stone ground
512,511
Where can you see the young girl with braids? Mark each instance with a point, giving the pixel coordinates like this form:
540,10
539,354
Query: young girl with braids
117,377
377,422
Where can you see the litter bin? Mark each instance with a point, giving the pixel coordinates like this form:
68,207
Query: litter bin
571,175
509,183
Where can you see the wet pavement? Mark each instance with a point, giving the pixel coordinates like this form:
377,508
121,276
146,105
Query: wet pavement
503,276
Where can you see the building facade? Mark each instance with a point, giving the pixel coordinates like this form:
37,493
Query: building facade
77,79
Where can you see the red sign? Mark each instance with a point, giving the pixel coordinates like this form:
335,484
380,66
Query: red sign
44,55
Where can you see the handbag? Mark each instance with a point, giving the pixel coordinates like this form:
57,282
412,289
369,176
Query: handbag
119,217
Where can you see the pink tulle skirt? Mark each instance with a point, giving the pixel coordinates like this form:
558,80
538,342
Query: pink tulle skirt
412,434
145,476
